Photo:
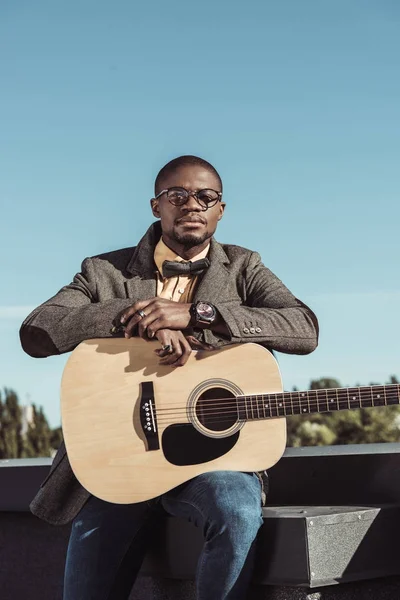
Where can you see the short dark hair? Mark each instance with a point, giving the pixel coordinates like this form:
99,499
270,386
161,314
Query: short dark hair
183,161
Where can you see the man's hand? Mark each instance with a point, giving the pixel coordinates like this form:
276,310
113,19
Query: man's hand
176,348
159,314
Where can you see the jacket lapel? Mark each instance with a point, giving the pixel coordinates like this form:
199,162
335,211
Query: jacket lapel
143,284
215,279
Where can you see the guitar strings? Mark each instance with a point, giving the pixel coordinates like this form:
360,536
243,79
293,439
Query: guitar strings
366,391
221,412
227,417
300,400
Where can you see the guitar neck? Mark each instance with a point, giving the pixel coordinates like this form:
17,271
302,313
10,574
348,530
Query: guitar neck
267,406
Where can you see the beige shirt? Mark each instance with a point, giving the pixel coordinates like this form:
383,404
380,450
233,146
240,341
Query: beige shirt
180,288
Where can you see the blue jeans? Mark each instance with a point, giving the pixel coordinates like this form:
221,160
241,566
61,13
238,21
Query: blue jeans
108,541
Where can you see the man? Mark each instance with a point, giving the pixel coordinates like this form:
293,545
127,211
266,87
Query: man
223,294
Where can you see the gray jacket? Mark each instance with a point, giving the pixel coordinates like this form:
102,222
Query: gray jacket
253,302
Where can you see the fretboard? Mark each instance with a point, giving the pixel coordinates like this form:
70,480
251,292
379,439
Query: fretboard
266,406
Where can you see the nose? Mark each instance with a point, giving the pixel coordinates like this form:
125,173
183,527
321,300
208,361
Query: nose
191,204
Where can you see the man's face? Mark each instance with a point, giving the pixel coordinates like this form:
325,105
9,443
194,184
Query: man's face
188,224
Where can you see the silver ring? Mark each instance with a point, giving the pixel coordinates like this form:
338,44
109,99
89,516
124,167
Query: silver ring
167,348
141,313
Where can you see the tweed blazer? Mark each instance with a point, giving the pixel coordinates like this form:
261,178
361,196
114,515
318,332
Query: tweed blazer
254,303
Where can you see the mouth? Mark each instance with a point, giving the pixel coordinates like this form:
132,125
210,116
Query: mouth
192,222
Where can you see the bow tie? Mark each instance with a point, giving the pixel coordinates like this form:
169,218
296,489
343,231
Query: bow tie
174,268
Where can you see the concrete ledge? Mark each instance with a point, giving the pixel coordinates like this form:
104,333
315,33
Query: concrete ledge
337,475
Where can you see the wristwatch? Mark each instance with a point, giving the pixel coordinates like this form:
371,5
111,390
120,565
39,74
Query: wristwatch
203,313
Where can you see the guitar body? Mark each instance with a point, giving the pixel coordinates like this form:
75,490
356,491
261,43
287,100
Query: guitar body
134,429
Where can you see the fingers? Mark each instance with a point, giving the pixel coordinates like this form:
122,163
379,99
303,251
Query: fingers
179,351
145,323
149,316
146,306
130,320
132,310
164,337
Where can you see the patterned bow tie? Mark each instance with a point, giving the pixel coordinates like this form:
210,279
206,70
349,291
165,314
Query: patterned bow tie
174,268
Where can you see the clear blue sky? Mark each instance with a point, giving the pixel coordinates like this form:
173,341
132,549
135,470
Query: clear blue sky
296,104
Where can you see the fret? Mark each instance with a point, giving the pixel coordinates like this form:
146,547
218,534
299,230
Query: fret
263,401
348,398
308,401
287,403
296,403
267,406
393,394
247,411
367,397
273,405
291,403
252,408
322,400
258,408
303,402
359,397
330,399
313,400
378,395
353,396
241,408
337,400
317,406
280,405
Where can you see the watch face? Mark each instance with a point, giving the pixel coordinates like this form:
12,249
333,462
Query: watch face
205,310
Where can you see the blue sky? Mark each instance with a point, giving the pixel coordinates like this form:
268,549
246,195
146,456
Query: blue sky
295,103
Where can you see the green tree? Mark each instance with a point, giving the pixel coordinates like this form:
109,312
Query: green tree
323,383
38,440
38,437
11,442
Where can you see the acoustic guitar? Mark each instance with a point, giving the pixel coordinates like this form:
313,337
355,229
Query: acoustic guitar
135,429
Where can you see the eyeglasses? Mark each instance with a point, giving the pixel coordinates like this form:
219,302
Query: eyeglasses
178,196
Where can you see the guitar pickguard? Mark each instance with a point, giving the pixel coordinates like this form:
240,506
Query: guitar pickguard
183,445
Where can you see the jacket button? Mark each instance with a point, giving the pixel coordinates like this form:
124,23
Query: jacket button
258,329
252,330
246,330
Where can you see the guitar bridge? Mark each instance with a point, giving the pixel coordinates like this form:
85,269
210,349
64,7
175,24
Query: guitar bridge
148,417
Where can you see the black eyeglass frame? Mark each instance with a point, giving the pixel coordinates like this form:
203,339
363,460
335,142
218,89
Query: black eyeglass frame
194,194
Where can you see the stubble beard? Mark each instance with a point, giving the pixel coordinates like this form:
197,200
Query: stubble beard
188,240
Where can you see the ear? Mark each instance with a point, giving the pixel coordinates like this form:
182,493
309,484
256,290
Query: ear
221,210
154,208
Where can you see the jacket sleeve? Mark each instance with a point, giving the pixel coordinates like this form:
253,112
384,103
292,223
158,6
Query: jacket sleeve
74,314
268,314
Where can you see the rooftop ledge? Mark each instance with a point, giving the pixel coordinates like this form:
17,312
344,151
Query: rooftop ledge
340,475
344,450
333,516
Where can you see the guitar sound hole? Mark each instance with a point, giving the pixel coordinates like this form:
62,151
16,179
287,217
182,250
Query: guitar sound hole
216,409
